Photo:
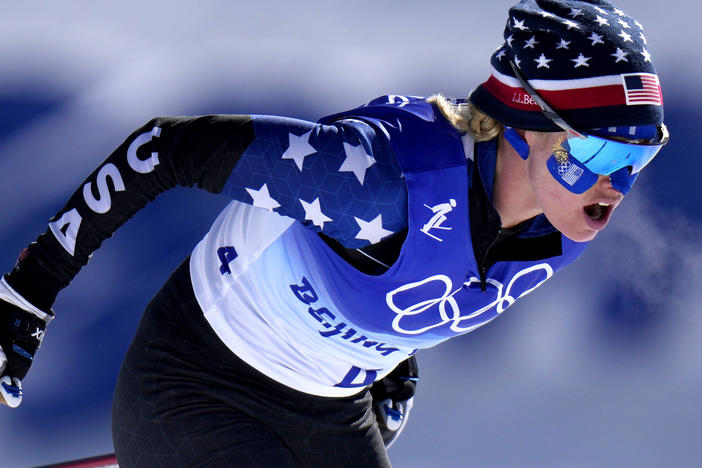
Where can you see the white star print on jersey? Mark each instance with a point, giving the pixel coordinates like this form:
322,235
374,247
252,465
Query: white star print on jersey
299,148
357,161
322,175
372,231
263,199
313,212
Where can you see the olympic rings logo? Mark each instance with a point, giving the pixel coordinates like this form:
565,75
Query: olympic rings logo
563,168
445,309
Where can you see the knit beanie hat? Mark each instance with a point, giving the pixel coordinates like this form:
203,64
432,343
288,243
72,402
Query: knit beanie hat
587,59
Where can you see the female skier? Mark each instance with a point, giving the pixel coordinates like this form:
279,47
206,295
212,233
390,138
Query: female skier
287,337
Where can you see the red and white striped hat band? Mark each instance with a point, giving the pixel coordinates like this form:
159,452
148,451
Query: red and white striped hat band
627,89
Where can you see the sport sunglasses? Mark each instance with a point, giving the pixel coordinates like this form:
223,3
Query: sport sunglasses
593,155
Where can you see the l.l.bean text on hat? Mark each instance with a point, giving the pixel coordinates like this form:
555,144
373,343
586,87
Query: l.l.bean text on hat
524,98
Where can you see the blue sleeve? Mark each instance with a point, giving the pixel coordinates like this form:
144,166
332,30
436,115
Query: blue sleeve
333,178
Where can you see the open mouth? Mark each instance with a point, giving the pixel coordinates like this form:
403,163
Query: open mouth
597,210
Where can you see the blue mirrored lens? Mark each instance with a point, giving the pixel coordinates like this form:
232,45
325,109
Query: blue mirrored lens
604,156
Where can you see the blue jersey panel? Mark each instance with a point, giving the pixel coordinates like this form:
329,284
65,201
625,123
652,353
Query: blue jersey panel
331,178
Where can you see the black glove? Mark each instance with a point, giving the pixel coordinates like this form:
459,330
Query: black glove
22,328
393,398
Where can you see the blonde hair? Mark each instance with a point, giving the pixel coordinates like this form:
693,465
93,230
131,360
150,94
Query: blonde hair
467,118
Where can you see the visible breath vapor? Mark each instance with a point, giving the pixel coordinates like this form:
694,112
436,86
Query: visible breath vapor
657,255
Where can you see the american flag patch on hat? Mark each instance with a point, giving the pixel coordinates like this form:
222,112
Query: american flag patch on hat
580,57
642,88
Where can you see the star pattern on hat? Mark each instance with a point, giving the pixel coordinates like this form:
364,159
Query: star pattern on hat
595,38
580,58
542,61
519,24
623,24
600,10
620,55
563,44
588,26
581,61
571,24
646,55
529,44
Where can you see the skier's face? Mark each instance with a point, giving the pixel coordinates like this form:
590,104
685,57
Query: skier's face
578,217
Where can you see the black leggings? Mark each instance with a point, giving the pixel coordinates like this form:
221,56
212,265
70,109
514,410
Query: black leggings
183,399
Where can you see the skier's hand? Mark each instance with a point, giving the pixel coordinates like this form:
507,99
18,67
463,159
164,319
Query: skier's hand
393,398
21,331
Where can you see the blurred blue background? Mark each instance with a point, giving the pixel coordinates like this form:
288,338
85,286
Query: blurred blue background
598,368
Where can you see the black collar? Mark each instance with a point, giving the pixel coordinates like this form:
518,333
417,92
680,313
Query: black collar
492,243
